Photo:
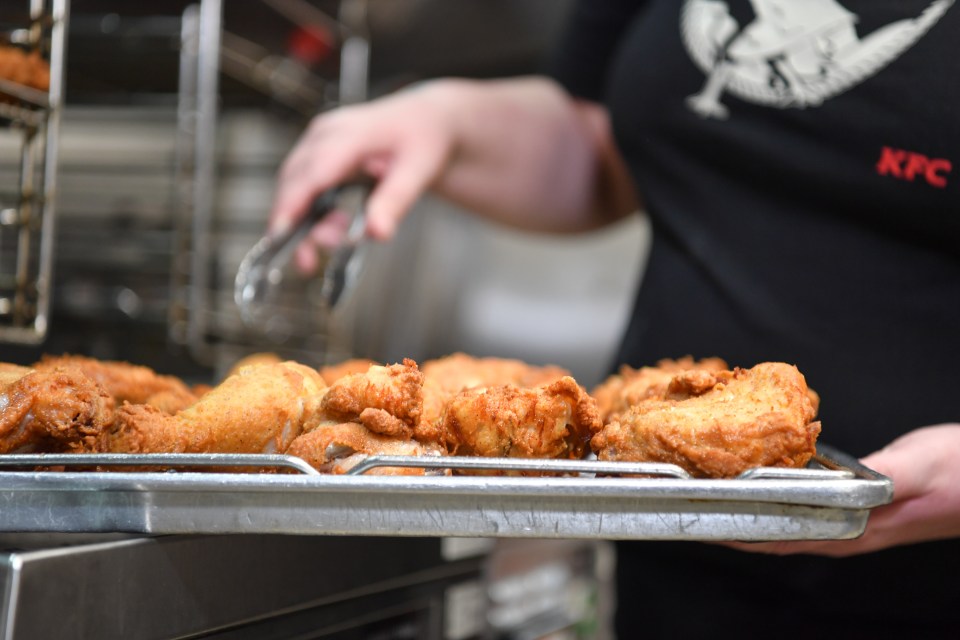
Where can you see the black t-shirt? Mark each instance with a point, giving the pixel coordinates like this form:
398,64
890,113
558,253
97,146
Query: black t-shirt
800,163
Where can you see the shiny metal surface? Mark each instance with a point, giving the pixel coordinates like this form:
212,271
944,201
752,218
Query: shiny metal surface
26,235
261,272
833,505
86,587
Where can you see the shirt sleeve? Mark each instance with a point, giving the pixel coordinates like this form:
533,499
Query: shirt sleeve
588,42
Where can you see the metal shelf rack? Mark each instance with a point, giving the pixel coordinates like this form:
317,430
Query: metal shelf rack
31,118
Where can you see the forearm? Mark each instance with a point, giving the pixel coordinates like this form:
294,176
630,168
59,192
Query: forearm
528,155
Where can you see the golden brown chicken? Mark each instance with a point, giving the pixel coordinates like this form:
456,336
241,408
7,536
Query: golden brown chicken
444,378
459,371
53,411
128,382
333,372
260,409
556,420
264,357
631,386
337,448
26,68
746,418
388,400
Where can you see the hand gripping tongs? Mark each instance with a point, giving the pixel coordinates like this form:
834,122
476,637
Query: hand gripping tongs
262,269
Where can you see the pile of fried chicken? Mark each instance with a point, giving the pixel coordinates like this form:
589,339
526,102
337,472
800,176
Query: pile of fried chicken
709,419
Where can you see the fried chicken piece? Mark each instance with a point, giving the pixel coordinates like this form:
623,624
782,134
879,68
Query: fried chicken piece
53,411
264,357
445,377
260,409
333,372
200,389
387,400
460,371
337,448
26,68
552,421
631,386
128,382
747,418
435,399
10,373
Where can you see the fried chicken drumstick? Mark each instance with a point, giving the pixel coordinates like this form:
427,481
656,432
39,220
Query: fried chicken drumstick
745,418
260,409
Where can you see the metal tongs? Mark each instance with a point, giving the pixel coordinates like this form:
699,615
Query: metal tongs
261,270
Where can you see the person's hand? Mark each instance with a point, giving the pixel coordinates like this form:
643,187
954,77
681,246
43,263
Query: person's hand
402,141
925,467
520,151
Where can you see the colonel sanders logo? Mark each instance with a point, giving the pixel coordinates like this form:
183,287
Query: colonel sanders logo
795,53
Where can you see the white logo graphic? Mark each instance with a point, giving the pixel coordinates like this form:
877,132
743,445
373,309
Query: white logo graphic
796,53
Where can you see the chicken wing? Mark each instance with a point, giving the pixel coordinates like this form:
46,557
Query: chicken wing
52,411
745,418
128,382
552,421
260,409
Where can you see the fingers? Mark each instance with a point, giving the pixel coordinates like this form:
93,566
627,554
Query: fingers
402,182
389,142
926,501
873,538
319,161
325,236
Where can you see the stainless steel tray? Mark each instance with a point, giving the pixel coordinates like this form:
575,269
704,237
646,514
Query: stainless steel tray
831,499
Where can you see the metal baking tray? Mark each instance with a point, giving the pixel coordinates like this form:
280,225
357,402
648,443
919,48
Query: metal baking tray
830,499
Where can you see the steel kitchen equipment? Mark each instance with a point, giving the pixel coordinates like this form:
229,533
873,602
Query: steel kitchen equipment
27,215
831,499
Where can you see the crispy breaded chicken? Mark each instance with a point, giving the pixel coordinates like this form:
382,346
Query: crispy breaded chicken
459,371
631,386
556,420
260,409
336,448
52,411
388,400
128,382
26,68
333,372
259,357
444,378
746,418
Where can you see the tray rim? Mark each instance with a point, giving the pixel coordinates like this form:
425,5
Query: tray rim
866,489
